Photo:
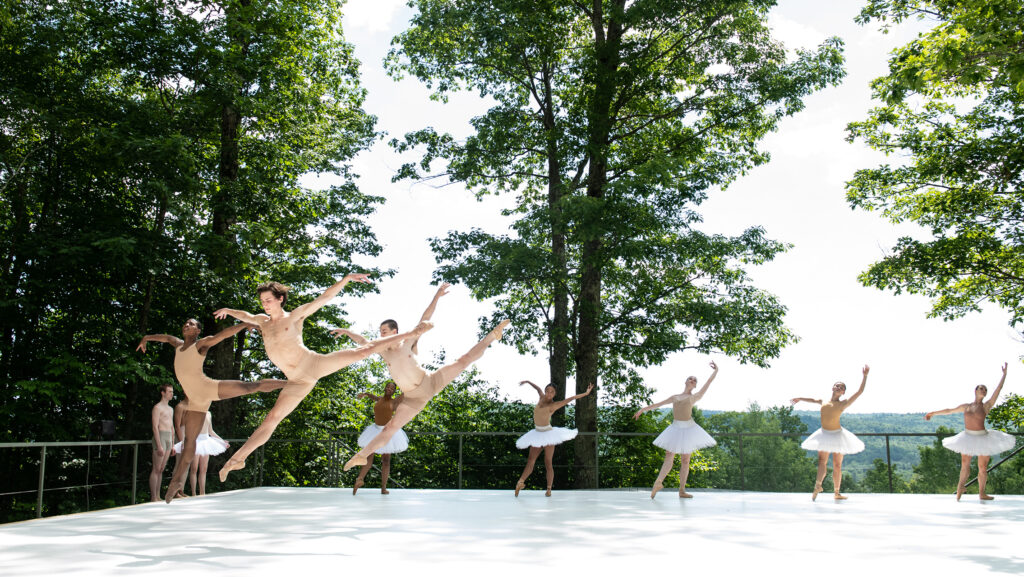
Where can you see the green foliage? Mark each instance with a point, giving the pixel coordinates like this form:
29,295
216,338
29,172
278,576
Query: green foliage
939,467
951,110
1008,415
876,480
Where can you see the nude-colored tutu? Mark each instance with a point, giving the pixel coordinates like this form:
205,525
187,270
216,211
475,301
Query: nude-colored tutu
205,445
398,443
979,442
545,436
684,437
835,441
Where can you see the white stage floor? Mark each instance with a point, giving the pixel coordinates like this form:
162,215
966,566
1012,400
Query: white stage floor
294,531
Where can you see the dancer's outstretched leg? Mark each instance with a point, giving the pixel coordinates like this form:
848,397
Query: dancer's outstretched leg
684,474
666,466
193,421
837,474
287,400
232,389
549,467
531,460
822,468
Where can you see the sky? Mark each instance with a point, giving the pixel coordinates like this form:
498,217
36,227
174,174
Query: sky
917,364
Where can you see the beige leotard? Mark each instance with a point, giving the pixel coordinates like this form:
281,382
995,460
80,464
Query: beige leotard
201,389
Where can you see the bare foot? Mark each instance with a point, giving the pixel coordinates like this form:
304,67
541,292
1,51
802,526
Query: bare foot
231,465
519,487
355,487
173,489
357,460
384,491
817,489
497,331
985,497
180,495
685,495
548,492
839,497
656,488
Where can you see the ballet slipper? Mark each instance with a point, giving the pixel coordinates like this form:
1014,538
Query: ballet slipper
173,489
384,491
519,487
499,330
685,495
231,465
548,492
656,488
839,497
357,460
986,497
359,483
817,489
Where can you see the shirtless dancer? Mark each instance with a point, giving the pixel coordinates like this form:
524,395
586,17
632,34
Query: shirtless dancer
282,338
417,385
683,436
383,409
833,438
543,435
975,440
162,439
189,356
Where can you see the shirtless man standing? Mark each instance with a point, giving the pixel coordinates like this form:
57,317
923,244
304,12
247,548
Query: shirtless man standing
831,437
975,439
282,338
189,356
162,439
383,409
543,435
417,385
683,436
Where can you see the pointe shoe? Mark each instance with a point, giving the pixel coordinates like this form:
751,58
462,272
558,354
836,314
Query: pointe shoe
814,495
356,486
172,490
519,487
384,491
231,465
548,492
685,495
499,330
839,497
985,497
656,488
355,461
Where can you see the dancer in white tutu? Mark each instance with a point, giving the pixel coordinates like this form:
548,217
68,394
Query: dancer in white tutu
683,436
383,409
544,436
832,437
207,443
975,439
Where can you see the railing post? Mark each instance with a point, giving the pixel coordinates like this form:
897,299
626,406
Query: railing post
42,473
597,459
888,462
135,470
743,477
460,461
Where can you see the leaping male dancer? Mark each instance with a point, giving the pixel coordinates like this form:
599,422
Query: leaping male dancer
282,338
189,356
418,386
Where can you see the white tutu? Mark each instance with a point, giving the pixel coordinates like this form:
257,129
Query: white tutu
396,444
205,445
979,442
836,441
545,436
684,437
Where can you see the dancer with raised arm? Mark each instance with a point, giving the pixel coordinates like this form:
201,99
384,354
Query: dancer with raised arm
189,356
282,338
543,435
832,437
207,443
975,440
418,386
684,435
383,409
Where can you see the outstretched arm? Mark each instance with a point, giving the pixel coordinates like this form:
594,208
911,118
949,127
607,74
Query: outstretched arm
796,400
700,394
671,399
540,393
356,337
171,340
991,402
564,402
441,291
221,314
316,304
372,396
960,409
204,344
863,382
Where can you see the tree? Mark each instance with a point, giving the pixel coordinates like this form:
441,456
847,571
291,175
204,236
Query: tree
953,107
876,479
612,121
939,468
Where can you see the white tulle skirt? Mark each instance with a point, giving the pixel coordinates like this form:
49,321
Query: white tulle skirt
684,437
398,443
545,436
979,442
836,441
205,445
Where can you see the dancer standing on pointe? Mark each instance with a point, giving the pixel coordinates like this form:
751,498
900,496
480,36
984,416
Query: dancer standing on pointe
832,437
418,386
383,409
975,439
207,443
543,435
683,436
282,338
189,356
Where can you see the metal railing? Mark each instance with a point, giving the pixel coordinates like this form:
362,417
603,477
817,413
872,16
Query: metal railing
343,442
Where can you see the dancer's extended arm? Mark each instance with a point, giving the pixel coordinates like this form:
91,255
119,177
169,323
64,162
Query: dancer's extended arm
316,304
169,339
863,382
991,402
700,394
372,396
671,399
221,314
356,337
796,400
204,344
429,311
960,409
564,402
540,392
